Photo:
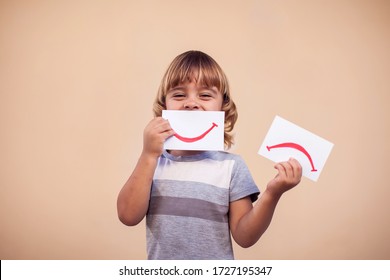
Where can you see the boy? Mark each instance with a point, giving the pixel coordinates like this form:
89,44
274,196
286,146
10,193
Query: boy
195,200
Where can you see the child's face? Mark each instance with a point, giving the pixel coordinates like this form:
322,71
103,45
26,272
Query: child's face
191,96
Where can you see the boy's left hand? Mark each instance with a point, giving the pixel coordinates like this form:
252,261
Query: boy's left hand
289,175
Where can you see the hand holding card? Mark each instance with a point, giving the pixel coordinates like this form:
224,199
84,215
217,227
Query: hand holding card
285,140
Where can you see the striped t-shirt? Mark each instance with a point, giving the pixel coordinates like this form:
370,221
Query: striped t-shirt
189,205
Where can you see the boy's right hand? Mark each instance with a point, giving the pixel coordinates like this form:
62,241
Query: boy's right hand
155,134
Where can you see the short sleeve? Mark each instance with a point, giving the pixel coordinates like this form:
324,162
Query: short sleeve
242,183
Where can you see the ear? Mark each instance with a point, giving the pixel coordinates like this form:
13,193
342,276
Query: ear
226,98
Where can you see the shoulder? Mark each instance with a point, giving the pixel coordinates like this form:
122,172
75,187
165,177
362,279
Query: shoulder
223,155
235,158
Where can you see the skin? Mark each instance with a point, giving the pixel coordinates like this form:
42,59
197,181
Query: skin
247,222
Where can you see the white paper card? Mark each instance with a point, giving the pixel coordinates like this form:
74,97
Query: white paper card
285,139
195,130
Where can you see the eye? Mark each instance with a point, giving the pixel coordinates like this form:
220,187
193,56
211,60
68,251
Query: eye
206,95
178,95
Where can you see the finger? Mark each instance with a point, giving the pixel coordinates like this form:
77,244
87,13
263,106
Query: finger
281,169
297,171
162,125
154,123
168,133
297,168
286,166
289,169
165,127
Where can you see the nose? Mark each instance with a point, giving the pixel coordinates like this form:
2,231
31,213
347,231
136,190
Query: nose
191,105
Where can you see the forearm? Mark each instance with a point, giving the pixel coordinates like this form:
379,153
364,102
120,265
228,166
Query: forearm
133,199
249,223
254,223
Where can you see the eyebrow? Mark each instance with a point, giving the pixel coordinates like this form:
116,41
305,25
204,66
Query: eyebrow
177,87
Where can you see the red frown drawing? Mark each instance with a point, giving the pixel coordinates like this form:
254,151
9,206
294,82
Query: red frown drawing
297,147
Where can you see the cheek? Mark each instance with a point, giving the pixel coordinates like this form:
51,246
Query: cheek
217,106
171,105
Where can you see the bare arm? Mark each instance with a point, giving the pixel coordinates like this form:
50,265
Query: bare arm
133,199
248,223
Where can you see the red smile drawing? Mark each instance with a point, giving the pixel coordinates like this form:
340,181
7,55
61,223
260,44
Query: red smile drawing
297,147
194,139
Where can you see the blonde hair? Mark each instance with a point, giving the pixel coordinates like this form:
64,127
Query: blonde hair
198,66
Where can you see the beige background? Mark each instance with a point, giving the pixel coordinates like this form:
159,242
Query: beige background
77,82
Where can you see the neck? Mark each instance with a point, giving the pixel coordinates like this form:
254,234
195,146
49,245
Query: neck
178,153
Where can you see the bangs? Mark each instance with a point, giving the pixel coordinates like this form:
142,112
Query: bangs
198,67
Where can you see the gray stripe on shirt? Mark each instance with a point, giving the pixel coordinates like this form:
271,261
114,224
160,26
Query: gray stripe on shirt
188,207
186,189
